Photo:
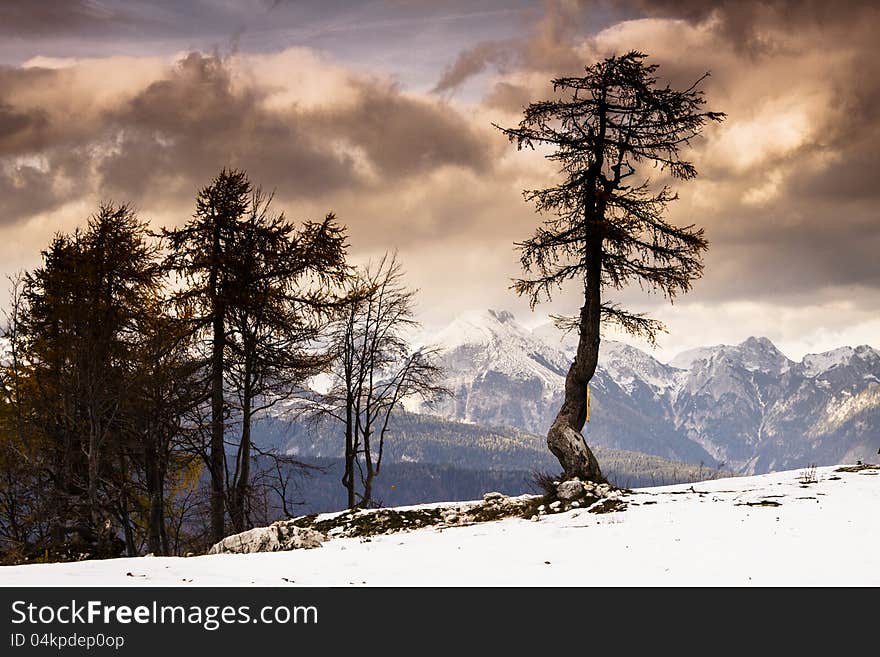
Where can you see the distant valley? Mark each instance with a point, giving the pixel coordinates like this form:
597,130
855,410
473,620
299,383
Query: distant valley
429,459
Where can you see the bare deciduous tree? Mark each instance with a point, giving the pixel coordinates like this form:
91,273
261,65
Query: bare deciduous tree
375,372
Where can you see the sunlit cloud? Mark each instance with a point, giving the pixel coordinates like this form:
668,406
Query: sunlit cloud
400,144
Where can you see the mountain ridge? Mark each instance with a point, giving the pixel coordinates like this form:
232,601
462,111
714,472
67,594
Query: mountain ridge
747,405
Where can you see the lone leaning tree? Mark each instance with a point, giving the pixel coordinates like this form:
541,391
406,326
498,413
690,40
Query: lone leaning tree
602,230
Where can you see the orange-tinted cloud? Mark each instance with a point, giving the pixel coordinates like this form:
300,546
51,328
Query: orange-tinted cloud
787,188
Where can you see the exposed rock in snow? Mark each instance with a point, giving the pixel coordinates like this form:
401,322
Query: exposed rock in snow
570,490
281,535
309,531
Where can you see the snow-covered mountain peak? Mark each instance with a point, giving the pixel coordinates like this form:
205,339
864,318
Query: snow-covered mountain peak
481,327
816,364
863,356
502,374
753,354
760,354
759,344
627,364
685,359
493,341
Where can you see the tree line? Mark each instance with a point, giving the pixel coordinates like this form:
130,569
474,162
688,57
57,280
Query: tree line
135,364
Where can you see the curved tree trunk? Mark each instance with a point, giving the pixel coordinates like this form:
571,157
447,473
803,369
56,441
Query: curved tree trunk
564,438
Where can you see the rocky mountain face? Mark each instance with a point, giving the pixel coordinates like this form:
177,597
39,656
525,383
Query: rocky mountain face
747,405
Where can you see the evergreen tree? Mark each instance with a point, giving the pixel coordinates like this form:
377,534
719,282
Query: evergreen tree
25,507
202,252
81,325
288,279
255,287
168,389
603,231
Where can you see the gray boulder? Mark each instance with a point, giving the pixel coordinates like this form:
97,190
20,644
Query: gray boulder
572,489
277,537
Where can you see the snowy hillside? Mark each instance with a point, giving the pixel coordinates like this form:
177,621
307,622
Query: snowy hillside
790,528
745,405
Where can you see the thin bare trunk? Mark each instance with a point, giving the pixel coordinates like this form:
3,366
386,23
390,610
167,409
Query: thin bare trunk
93,462
370,473
350,454
239,494
217,459
157,542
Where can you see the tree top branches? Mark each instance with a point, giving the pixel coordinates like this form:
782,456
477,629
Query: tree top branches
602,128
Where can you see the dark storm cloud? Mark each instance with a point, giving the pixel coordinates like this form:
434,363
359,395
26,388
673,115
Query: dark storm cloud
474,61
547,45
788,251
25,191
853,177
820,226
24,18
34,186
167,139
34,149
508,97
746,24
552,44
138,19
851,131
42,112
404,136
179,130
194,121
21,130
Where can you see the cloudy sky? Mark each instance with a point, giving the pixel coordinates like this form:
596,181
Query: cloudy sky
381,111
